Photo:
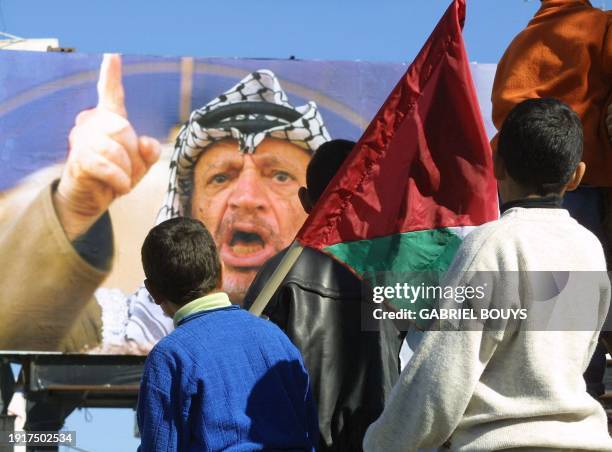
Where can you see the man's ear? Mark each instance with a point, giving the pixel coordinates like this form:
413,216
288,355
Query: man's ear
576,177
499,167
157,297
305,199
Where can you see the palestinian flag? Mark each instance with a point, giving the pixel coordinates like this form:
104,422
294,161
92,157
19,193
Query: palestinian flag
420,177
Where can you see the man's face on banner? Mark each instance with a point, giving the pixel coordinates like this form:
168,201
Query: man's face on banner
249,203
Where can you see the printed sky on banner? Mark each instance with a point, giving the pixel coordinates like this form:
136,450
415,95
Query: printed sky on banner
41,93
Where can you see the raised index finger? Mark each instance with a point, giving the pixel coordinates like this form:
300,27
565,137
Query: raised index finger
110,87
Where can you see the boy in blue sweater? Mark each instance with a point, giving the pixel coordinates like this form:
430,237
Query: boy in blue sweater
223,379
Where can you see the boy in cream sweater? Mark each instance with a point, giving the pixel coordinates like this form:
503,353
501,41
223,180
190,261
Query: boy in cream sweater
516,386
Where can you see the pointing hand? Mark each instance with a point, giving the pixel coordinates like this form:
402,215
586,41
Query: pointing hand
106,159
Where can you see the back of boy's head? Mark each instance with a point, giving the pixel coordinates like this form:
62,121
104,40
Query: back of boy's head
540,143
325,164
180,259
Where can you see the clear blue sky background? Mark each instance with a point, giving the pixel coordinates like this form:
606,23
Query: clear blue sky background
375,30
382,30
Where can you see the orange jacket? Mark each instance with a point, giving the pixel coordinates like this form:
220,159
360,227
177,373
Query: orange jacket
566,53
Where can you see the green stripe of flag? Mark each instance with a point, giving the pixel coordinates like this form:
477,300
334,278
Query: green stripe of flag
417,258
429,250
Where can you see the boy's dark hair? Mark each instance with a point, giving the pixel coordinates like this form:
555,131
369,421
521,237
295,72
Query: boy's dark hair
325,164
540,143
180,259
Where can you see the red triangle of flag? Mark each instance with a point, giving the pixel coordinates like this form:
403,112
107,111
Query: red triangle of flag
424,162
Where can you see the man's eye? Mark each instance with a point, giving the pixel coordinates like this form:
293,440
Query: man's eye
219,179
282,176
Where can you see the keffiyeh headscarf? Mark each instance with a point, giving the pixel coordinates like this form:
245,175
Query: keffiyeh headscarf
254,109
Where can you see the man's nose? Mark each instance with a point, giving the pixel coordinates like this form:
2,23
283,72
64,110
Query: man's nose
249,191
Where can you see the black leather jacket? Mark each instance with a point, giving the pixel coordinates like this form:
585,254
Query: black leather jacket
352,371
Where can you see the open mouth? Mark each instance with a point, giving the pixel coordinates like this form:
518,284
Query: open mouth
247,246
245,243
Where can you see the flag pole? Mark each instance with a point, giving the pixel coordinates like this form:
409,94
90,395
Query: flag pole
276,279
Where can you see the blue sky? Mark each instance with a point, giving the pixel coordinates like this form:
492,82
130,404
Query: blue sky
383,30
375,30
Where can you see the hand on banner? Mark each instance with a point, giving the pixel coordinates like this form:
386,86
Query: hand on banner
106,159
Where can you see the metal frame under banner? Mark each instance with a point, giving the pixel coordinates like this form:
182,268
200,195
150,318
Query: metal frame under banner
55,384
